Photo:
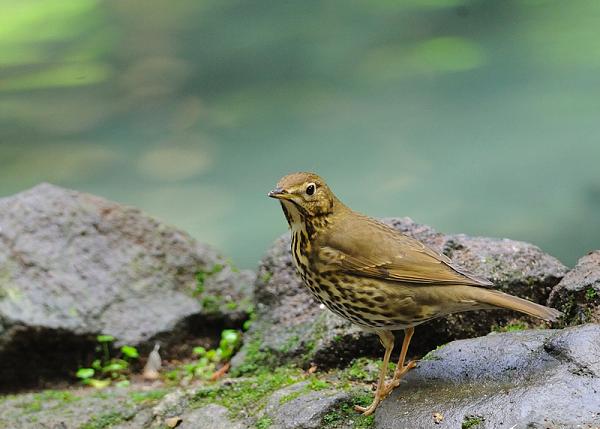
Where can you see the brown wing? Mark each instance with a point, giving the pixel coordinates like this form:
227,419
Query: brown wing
362,246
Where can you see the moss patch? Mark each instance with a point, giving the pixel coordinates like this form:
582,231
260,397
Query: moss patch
591,294
471,422
246,396
49,399
213,303
263,423
343,414
255,360
315,384
148,396
105,420
511,327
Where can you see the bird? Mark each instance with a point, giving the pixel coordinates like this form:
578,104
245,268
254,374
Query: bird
376,277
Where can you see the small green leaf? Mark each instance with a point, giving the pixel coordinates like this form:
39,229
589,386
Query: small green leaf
200,351
98,384
123,383
115,366
130,352
230,336
105,338
85,373
97,364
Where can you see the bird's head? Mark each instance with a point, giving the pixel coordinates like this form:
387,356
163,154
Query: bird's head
305,192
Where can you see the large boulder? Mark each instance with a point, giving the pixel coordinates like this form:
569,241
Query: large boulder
578,293
528,379
73,265
291,326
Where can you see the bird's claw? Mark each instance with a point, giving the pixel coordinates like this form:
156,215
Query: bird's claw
395,382
367,411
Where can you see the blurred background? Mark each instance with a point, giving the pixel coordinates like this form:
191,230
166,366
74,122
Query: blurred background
472,116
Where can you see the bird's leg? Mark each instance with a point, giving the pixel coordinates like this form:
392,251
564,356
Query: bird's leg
387,340
401,369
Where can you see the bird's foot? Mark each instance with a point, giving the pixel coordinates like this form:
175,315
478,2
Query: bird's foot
399,373
386,389
367,411
395,381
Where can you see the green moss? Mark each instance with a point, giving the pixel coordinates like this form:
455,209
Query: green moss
364,370
266,276
149,396
31,406
315,384
590,294
358,370
255,359
344,414
49,399
568,310
431,355
291,396
105,420
471,421
201,277
290,344
211,303
247,395
511,327
263,423
101,395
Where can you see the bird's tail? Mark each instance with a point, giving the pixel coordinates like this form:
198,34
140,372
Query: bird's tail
502,300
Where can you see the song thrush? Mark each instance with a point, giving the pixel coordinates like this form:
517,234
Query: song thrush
377,277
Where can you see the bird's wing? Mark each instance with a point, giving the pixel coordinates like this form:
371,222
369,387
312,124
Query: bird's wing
366,247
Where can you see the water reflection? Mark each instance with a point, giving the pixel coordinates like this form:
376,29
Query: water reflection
473,116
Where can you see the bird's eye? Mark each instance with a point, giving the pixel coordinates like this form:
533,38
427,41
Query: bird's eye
310,189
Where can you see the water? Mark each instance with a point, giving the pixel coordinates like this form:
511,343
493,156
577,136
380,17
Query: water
472,116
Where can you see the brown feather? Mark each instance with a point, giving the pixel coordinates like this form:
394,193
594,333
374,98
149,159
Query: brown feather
362,246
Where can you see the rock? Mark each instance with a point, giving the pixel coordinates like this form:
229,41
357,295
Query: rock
73,265
291,326
533,379
116,408
211,416
297,407
578,293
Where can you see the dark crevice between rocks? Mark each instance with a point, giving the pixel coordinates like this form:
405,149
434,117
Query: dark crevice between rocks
39,358
195,330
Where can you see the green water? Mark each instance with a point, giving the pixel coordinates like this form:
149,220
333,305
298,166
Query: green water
480,117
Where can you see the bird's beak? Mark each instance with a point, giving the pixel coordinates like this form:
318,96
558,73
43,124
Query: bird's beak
279,193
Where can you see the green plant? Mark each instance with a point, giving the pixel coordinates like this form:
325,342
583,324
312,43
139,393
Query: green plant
106,369
251,318
264,423
511,327
471,421
209,360
590,294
